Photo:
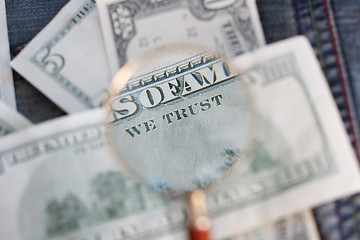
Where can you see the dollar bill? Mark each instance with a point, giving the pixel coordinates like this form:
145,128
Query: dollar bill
67,59
7,90
132,27
65,182
10,120
298,226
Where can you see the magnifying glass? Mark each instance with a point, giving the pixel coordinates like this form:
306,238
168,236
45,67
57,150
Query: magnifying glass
181,119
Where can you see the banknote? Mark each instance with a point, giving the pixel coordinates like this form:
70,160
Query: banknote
295,227
10,120
67,59
131,27
66,184
7,90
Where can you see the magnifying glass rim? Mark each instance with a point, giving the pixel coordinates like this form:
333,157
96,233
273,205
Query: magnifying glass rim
126,73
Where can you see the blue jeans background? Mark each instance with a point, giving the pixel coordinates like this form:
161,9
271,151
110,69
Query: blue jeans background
332,26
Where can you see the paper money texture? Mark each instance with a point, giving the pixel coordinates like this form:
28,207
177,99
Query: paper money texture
67,60
65,183
10,120
132,27
295,227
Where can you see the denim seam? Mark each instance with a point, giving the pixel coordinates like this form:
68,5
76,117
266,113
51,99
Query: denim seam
342,76
317,38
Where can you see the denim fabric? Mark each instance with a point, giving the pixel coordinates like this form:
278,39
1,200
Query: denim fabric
27,17
347,17
340,219
332,26
278,19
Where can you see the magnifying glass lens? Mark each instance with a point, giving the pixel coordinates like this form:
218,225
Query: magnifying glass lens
180,119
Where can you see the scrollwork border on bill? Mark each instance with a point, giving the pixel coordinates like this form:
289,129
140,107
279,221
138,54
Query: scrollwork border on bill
123,15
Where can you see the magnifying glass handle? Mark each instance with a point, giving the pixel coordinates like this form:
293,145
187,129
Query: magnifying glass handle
199,222
199,234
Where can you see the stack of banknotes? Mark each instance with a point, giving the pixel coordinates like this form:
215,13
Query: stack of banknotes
59,180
